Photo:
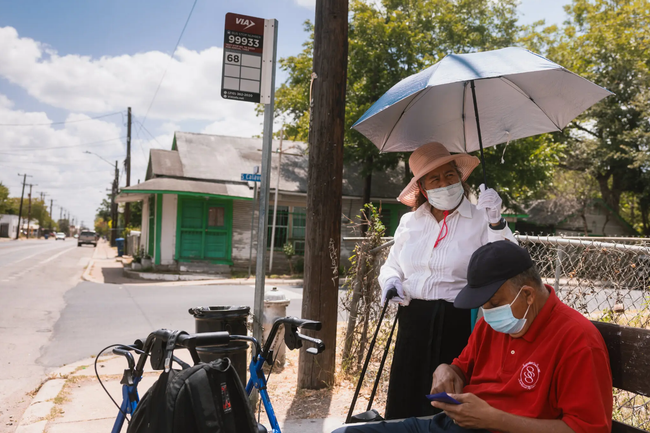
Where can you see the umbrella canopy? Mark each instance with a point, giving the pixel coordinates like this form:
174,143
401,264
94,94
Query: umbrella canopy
517,94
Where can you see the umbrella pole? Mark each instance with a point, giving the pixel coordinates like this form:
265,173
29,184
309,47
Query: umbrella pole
478,128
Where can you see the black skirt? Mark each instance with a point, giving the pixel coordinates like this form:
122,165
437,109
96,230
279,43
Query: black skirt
430,333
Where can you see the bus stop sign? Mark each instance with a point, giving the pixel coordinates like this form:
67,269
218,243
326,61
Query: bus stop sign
243,51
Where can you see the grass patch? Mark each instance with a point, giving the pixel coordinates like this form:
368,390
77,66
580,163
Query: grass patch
54,413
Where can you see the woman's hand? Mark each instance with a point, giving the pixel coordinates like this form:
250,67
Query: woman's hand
393,283
446,379
490,201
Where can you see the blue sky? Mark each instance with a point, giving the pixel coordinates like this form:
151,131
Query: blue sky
72,60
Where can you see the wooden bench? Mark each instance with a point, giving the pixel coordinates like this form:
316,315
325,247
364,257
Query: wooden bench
629,357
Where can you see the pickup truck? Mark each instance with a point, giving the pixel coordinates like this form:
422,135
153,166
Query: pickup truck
87,238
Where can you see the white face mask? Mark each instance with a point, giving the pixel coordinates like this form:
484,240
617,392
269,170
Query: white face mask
446,198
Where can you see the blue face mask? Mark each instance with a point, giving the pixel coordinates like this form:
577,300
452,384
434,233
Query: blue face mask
501,318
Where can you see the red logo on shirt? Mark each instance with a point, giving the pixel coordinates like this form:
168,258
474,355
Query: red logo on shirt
529,375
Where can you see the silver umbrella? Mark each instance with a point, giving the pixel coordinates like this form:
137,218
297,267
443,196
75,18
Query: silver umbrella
473,101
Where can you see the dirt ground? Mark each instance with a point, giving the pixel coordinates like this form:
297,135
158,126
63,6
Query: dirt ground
291,403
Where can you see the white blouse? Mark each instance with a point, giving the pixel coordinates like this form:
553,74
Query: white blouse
437,273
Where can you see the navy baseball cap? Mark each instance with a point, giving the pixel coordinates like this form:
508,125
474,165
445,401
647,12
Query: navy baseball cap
490,266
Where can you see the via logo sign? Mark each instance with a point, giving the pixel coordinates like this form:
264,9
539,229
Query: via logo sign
244,22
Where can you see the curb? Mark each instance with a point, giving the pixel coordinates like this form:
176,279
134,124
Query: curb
34,419
86,275
192,279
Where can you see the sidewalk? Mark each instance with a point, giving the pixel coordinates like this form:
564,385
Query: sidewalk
72,401
106,268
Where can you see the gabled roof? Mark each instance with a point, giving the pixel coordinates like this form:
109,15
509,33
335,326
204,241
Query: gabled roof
223,158
164,163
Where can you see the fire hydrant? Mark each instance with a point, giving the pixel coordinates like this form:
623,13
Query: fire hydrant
275,306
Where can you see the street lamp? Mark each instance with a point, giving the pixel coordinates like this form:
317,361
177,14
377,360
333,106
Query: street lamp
93,153
114,191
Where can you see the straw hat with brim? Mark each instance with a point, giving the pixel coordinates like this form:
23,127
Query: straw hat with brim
426,159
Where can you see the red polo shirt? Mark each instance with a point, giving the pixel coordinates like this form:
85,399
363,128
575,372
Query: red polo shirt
559,369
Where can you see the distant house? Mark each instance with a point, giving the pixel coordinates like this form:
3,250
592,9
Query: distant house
8,226
31,226
197,212
570,217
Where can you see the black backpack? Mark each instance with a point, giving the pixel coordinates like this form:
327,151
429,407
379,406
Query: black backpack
205,398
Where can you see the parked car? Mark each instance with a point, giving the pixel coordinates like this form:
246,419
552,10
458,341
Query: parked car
87,237
60,236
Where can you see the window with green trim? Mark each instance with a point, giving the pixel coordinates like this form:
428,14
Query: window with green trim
289,227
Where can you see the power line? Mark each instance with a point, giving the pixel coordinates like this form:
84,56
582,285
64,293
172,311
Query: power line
150,134
60,123
169,63
137,133
41,149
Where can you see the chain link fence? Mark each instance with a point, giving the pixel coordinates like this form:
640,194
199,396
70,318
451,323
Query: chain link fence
606,279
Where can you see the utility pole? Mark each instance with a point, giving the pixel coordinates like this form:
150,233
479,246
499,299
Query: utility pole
324,187
60,213
29,209
51,216
114,215
20,209
127,209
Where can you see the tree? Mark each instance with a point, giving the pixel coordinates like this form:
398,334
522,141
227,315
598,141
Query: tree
101,226
104,209
135,220
64,226
4,196
608,42
395,40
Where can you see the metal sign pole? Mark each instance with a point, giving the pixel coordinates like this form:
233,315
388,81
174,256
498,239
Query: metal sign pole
268,61
250,249
275,204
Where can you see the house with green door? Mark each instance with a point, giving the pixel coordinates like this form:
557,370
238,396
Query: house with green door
198,215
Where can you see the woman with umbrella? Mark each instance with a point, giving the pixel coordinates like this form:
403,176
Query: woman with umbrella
428,267
468,102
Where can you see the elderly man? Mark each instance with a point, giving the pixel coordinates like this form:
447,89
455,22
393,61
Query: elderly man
531,365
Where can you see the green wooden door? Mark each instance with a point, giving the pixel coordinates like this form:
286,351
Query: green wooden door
205,230
191,239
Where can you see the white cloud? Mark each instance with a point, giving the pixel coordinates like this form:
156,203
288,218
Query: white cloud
190,90
5,102
309,4
86,86
54,157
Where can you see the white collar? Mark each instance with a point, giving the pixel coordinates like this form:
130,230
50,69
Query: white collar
464,209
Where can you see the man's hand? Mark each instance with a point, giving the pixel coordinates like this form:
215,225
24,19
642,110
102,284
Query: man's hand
472,413
447,379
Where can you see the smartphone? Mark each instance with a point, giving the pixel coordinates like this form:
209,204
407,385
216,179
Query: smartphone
442,397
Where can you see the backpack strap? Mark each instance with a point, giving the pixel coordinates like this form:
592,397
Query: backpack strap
169,350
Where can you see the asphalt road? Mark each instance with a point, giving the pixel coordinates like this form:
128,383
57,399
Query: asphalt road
34,276
97,315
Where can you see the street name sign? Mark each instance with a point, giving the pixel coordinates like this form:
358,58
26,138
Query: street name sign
247,51
250,177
